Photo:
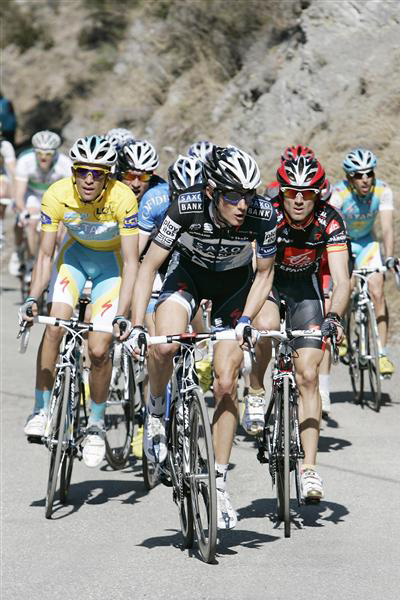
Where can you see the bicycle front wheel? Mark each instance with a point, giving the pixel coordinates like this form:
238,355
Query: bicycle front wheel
119,415
372,346
68,462
353,332
202,478
283,463
56,433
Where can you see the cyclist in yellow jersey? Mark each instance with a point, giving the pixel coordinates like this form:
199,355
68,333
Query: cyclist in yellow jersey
100,215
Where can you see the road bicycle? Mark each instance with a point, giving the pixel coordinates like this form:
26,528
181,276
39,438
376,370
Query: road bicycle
190,464
279,445
68,416
363,344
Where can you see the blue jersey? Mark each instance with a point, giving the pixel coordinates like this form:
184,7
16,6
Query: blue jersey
153,208
358,212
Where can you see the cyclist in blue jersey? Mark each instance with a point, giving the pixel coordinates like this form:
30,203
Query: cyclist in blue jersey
360,198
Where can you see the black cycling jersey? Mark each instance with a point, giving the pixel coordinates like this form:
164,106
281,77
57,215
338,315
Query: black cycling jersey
190,224
299,250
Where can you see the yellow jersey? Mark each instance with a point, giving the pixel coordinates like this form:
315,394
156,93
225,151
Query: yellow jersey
97,225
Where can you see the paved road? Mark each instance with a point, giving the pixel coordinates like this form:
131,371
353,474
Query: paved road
116,541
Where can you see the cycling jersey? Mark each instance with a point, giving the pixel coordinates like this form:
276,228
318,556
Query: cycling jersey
358,212
27,169
153,207
97,225
299,251
7,151
191,225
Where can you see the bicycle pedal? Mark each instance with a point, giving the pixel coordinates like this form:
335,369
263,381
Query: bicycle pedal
35,439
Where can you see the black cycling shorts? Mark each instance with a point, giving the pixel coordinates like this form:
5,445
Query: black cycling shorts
188,283
305,303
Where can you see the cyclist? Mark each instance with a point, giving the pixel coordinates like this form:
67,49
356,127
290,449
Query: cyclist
212,226
306,227
119,136
35,171
100,215
7,168
200,149
360,197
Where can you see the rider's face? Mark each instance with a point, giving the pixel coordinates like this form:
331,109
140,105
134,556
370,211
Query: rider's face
138,181
362,182
89,187
298,208
44,158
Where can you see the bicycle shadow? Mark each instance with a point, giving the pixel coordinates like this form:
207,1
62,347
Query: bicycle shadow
98,491
329,444
316,515
348,396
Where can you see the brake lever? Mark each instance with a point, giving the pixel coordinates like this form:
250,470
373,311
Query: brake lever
247,338
142,343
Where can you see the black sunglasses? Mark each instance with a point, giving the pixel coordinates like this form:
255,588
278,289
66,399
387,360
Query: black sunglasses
361,175
233,197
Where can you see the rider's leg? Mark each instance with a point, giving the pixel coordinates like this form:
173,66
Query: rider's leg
100,371
307,364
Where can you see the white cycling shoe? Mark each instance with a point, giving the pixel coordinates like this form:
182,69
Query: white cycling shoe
226,514
253,417
154,439
311,485
14,264
326,402
94,446
36,424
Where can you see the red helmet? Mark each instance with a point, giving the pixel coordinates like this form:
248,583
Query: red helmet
301,173
293,152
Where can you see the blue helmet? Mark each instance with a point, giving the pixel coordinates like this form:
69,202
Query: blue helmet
358,161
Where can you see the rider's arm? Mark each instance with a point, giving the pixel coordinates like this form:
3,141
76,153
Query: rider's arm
143,241
386,217
129,251
144,283
261,287
42,269
338,267
20,190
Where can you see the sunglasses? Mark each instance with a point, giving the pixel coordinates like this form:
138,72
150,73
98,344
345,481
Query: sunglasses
361,175
129,176
291,193
44,153
232,197
96,172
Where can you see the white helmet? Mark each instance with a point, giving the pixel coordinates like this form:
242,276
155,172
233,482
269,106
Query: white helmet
119,136
184,172
139,155
359,160
231,169
200,149
94,150
46,140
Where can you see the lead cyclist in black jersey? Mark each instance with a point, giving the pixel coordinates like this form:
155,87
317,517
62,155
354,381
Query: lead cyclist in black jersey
212,226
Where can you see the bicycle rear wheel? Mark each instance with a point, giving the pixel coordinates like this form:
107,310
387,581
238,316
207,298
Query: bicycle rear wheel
56,434
202,478
150,473
119,414
372,346
181,489
283,462
68,462
353,340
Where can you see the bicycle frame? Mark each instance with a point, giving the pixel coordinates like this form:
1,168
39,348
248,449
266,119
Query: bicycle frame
361,300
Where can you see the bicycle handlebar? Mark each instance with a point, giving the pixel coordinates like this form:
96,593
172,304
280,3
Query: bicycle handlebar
192,338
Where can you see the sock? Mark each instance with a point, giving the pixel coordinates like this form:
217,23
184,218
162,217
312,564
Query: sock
324,383
156,405
42,399
220,475
256,391
97,413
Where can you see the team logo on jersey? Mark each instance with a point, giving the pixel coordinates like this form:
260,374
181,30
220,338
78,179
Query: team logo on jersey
45,219
74,215
299,257
261,209
208,228
131,222
167,234
190,202
333,226
269,237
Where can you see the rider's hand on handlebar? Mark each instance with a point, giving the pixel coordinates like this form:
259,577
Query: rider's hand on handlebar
239,331
121,328
332,326
23,218
28,310
391,263
133,343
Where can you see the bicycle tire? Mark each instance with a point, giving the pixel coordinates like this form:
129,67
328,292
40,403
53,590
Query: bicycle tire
202,478
119,419
372,346
150,473
57,433
182,492
278,454
68,462
353,342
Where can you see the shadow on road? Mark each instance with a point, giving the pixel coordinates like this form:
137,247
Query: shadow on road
99,492
347,396
329,444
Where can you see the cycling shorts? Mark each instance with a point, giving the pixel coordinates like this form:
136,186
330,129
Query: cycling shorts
305,303
367,253
187,284
157,285
74,265
33,202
